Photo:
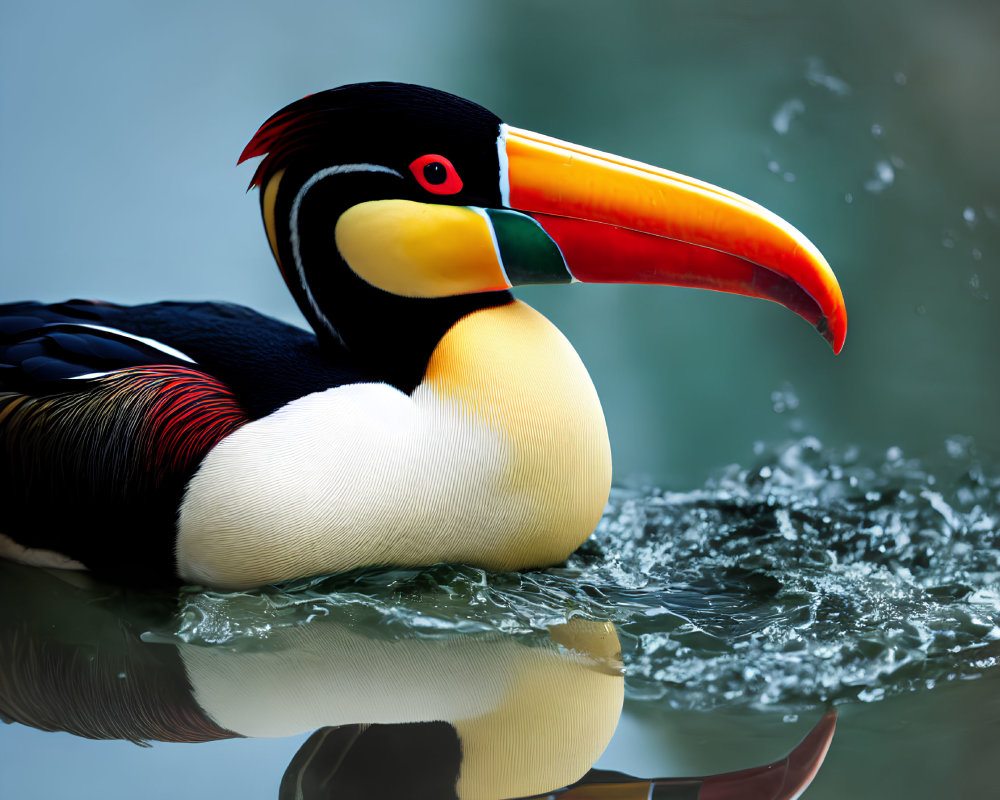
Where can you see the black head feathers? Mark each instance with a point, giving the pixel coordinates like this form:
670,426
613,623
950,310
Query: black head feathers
357,117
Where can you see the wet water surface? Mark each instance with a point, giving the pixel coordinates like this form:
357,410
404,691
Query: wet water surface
730,617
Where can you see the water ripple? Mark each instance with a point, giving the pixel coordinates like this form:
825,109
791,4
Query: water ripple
812,576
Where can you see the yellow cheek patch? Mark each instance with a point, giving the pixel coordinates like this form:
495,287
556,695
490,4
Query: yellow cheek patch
420,249
270,197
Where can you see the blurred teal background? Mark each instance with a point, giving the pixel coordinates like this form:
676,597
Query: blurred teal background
874,128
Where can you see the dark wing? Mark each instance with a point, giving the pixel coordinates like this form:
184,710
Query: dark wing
100,431
39,347
265,362
107,411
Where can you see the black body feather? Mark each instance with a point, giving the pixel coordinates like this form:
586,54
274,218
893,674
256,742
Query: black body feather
99,432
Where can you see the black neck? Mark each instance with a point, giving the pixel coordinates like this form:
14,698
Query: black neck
392,336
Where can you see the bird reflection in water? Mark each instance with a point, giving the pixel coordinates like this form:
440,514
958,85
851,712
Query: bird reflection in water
462,715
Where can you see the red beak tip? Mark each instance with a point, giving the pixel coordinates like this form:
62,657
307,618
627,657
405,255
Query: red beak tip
833,329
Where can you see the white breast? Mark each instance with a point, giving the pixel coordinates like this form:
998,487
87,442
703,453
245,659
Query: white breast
474,467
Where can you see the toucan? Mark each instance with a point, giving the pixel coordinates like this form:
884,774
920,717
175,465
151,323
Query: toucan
428,417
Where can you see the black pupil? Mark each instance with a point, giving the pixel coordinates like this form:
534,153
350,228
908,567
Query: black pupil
435,173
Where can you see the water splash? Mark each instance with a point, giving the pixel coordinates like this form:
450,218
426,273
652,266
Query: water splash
976,285
812,576
871,581
775,167
818,75
781,121
968,239
885,175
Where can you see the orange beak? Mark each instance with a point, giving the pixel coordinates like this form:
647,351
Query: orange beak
621,221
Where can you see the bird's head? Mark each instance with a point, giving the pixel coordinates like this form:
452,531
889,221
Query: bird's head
405,204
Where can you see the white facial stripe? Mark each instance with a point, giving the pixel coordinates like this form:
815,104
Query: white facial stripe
493,238
504,171
163,348
293,227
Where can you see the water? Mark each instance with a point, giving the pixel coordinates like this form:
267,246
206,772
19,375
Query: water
810,578
804,579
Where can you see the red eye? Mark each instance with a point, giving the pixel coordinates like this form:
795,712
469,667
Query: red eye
436,174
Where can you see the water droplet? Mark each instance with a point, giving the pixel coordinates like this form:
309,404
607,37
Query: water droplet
948,242
958,446
817,75
789,110
784,399
789,177
849,198
774,166
871,695
884,177
977,254
790,718
876,130
900,78
921,310
969,215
